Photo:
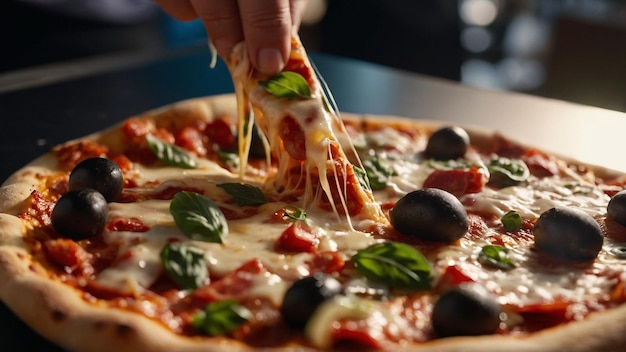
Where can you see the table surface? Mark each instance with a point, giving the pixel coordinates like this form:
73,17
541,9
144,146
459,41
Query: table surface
48,105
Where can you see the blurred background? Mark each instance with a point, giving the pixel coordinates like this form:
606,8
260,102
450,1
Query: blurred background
573,50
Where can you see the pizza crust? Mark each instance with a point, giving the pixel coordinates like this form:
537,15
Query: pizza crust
59,313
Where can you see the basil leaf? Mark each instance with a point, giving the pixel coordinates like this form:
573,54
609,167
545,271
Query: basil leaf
221,318
505,172
511,221
170,154
198,217
288,85
294,213
244,194
395,264
496,256
361,175
185,264
230,159
378,172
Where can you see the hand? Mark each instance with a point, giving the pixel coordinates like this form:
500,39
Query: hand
265,25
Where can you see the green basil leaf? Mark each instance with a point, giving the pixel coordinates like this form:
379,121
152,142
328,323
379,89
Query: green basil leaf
496,256
170,154
505,172
378,172
185,264
198,217
361,175
395,264
244,194
221,318
288,85
511,221
294,213
230,159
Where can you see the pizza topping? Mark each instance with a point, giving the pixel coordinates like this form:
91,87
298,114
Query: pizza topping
505,172
244,194
220,318
447,143
198,217
288,85
457,181
305,295
430,214
100,174
378,171
568,233
395,264
80,214
511,221
185,264
465,310
616,208
170,154
496,256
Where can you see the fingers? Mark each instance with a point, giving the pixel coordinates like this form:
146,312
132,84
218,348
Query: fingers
222,21
297,10
179,9
265,24
267,29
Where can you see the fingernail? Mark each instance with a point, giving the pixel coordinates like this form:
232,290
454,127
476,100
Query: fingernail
270,61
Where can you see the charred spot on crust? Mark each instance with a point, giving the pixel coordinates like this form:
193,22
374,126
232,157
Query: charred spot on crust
124,330
99,325
58,315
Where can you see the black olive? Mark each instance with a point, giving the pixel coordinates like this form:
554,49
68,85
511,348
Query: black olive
617,208
466,310
80,214
305,295
430,214
101,174
568,233
447,143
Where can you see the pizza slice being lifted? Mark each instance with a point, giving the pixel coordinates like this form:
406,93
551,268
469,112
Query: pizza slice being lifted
306,135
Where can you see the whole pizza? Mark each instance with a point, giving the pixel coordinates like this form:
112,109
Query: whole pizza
267,220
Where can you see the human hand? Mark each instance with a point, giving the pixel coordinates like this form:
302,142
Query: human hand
265,25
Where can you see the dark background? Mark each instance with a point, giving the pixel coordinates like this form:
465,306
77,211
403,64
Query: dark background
572,50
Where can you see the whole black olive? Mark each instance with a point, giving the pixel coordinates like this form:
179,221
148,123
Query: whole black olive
568,233
466,310
447,143
430,214
100,174
80,214
305,295
617,208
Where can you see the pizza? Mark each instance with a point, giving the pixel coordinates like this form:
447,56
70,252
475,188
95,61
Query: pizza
265,219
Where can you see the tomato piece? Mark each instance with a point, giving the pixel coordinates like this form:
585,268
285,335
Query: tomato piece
191,139
234,285
452,276
297,65
127,224
351,335
540,164
457,181
68,254
298,237
70,155
219,132
326,262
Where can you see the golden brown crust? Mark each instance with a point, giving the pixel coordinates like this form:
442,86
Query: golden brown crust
59,312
